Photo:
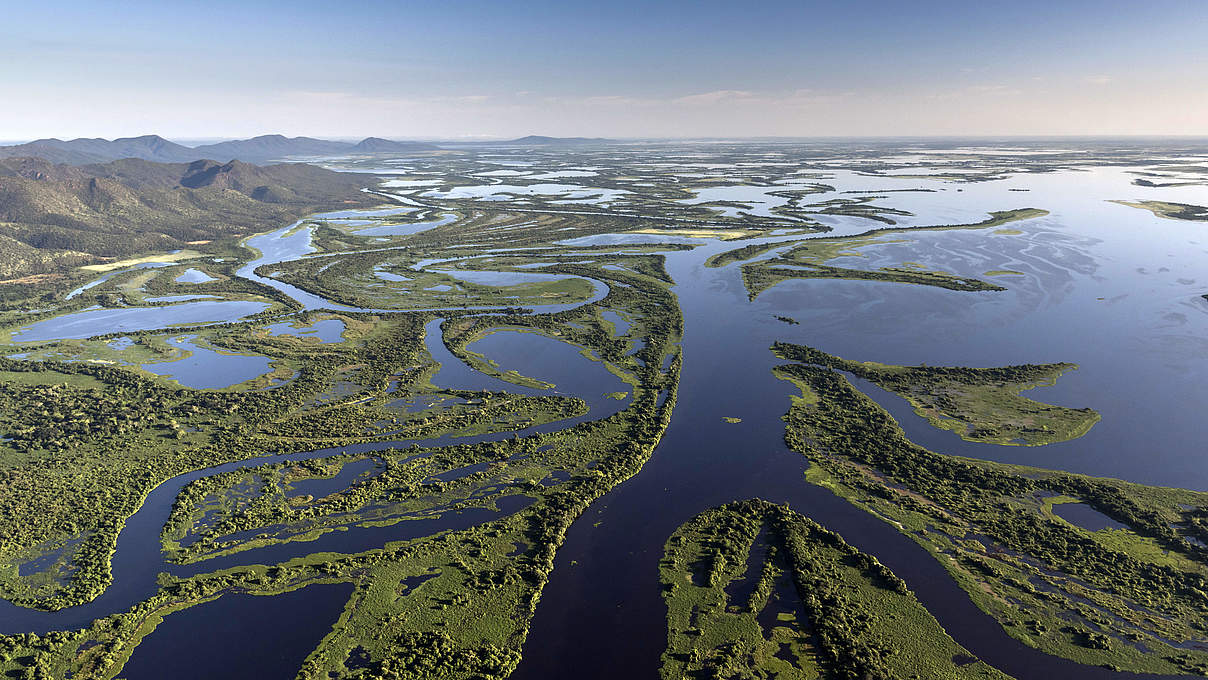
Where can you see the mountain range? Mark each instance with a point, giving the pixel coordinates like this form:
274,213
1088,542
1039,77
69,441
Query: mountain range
55,215
155,148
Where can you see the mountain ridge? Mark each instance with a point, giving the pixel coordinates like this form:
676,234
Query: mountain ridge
93,150
54,215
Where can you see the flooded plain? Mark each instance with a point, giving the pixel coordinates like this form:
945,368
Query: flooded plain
1111,288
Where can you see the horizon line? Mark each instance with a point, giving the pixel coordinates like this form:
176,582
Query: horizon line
206,139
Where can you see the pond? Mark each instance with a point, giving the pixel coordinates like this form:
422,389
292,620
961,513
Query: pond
194,276
204,368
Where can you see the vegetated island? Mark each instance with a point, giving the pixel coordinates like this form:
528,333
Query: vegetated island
755,590
979,404
1170,211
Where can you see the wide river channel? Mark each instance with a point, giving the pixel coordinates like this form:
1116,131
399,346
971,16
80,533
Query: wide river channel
1105,286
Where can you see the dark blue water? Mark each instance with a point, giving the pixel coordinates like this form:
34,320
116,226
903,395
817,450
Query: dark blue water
538,356
239,636
1086,517
604,587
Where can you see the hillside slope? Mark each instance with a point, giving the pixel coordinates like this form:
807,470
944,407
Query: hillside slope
51,215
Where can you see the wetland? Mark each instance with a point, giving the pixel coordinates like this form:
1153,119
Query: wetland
737,409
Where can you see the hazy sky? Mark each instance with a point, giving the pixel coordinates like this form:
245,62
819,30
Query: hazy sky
450,69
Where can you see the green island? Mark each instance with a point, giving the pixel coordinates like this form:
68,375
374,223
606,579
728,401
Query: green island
979,404
755,590
1170,211
1133,598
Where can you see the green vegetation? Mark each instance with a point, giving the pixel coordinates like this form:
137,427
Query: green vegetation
762,276
457,602
755,590
979,404
1170,211
741,254
1132,599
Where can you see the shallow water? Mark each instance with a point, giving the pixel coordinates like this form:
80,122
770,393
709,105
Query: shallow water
98,281
194,276
180,298
1086,517
205,368
407,229
123,320
504,192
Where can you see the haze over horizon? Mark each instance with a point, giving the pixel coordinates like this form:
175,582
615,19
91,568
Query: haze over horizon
467,70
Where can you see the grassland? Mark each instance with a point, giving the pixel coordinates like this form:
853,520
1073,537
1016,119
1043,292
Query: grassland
130,262
456,602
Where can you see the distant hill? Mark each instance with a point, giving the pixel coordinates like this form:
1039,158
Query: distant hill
269,147
541,140
155,148
379,145
55,214
82,151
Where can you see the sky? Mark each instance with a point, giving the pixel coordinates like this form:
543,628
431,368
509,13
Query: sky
454,69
